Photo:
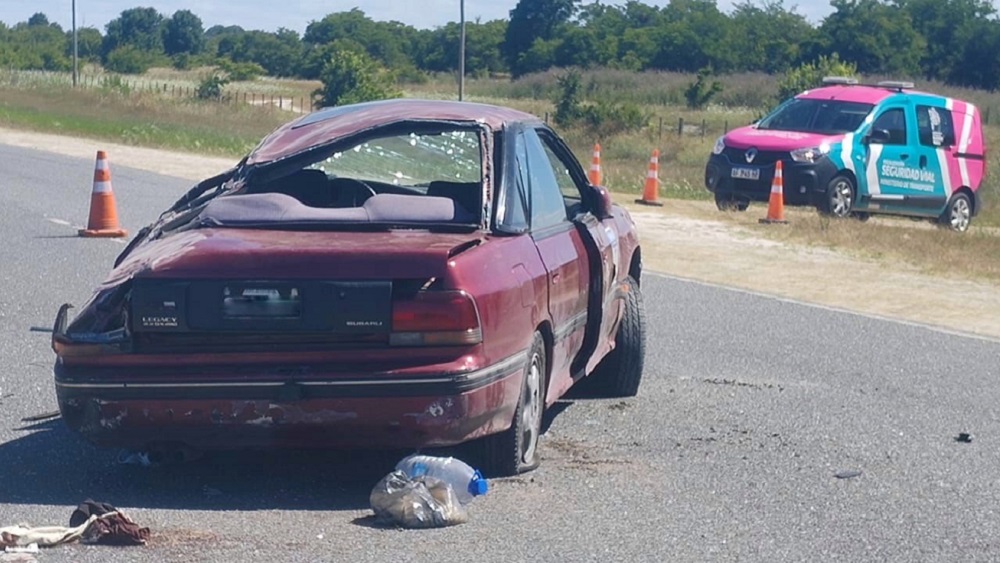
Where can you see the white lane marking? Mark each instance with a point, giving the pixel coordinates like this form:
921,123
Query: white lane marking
59,222
830,308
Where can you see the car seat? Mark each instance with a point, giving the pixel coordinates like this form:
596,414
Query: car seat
309,185
465,194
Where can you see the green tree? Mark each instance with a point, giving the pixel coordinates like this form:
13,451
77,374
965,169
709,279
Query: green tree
810,75
388,42
141,28
767,37
88,43
38,19
352,77
978,64
482,48
531,21
944,25
128,59
693,35
183,33
701,91
280,53
878,37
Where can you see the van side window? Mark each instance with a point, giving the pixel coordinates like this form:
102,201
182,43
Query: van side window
893,121
935,126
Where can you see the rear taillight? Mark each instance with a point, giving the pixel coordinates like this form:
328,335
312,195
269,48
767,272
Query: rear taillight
436,318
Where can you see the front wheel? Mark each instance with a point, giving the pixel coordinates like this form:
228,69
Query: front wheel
839,199
619,373
729,202
958,215
515,450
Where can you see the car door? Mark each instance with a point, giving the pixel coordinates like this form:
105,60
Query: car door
900,177
601,239
935,143
566,251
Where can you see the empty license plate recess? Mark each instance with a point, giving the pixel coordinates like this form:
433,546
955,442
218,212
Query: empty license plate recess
304,305
261,301
746,173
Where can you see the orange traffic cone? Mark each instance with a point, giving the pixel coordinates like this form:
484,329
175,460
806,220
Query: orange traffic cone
595,167
103,212
651,192
776,202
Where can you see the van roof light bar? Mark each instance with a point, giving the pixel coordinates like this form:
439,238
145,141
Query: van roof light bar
845,80
895,84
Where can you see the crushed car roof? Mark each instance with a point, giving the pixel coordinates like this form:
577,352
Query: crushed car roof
328,124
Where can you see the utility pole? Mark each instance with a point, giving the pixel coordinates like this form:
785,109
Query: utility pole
76,71
461,55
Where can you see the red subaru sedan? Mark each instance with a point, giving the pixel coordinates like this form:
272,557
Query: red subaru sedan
402,273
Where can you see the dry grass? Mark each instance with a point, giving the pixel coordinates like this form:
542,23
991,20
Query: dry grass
45,102
974,254
142,119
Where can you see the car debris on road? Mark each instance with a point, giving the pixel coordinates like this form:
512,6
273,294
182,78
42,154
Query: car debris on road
95,523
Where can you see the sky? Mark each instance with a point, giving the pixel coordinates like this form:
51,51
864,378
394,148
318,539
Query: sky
269,15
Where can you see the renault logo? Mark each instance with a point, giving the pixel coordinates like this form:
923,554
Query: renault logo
751,154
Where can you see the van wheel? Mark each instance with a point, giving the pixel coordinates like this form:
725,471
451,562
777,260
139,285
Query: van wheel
839,200
958,214
729,202
619,373
515,450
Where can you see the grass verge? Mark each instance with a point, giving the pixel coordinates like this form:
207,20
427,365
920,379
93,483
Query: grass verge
148,119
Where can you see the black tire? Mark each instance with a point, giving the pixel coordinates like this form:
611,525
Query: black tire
957,216
620,372
861,216
838,201
515,450
729,202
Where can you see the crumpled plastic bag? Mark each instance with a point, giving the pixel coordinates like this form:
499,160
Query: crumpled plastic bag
421,502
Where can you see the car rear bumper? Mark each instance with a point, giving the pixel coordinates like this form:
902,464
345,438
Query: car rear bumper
359,411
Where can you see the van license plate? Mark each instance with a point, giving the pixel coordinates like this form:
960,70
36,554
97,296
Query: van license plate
744,173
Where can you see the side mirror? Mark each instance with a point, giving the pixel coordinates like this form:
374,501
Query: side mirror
602,203
878,136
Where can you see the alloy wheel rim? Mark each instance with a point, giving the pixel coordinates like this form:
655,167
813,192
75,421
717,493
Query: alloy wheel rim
532,411
960,215
841,199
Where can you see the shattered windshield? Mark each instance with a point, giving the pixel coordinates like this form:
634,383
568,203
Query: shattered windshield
414,159
817,116
417,177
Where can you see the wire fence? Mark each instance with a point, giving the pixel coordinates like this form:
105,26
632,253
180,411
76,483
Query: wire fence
128,86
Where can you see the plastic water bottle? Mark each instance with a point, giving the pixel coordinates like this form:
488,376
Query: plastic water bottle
464,480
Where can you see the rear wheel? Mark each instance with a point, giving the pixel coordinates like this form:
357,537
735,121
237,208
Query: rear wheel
839,200
515,450
958,215
619,373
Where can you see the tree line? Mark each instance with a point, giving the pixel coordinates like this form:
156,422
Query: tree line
956,41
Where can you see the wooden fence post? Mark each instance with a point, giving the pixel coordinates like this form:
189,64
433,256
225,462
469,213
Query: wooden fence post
680,126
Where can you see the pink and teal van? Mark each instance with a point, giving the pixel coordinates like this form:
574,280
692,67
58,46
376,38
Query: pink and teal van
851,149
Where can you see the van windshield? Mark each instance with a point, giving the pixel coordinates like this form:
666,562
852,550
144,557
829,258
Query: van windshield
816,116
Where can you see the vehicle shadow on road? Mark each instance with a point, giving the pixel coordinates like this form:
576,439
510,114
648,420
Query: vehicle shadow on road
49,465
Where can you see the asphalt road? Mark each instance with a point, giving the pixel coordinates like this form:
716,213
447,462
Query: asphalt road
748,409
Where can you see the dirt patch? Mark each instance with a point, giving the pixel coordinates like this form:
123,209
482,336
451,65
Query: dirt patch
679,240
682,239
